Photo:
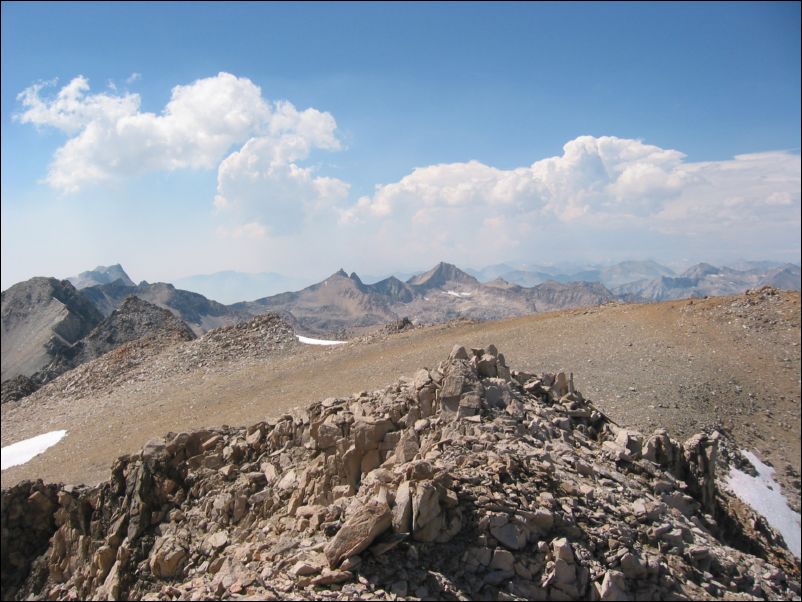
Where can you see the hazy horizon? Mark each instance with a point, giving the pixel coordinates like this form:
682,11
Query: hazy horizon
260,138
563,268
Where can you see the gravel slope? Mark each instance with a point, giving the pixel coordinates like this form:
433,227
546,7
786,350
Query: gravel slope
731,362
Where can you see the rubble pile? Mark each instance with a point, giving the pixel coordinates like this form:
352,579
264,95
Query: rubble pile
468,481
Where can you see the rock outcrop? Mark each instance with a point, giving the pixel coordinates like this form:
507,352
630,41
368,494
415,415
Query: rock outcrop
468,481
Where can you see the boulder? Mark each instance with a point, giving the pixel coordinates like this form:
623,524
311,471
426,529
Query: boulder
359,531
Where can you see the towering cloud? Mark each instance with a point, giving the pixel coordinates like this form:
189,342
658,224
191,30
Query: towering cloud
110,137
598,191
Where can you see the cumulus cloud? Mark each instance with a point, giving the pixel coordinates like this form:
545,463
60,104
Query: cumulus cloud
266,186
592,174
110,137
595,178
604,184
264,174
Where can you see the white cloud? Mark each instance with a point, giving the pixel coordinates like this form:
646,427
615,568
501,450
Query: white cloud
601,191
263,179
594,178
134,77
252,230
202,122
598,185
72,110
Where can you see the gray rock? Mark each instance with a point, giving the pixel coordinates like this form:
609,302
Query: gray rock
510,535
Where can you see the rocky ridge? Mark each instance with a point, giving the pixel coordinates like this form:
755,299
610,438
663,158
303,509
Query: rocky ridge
156,358
198,312
41,318
134,320
468,481
343,303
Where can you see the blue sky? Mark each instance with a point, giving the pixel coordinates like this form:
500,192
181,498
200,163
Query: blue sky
473,133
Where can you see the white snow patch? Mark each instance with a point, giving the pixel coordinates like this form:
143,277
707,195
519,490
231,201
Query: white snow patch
22,451
763,493
456,294
309,341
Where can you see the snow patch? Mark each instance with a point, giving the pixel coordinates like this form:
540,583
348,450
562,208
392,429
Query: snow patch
456,294
309,341
22,451
763,493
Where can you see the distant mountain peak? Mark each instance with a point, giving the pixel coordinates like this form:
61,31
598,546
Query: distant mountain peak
440,274
341,272
700,270
101,275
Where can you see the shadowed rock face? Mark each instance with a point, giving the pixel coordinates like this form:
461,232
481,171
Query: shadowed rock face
42,317
198,312
466,481
135,319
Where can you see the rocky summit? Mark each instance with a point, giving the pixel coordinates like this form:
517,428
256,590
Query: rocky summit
466,481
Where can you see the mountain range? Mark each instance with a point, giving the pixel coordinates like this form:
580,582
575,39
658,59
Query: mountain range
704,279
44,319
343,303
632,280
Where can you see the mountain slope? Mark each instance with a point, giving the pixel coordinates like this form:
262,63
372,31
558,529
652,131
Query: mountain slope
443,275
394,289
467,481
135,319
788,277
198,312
42,317
552,295
101,275
630,271
615,275
343,304
338,302
730,363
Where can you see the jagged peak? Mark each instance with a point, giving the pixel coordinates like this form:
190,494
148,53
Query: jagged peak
102,274
441,273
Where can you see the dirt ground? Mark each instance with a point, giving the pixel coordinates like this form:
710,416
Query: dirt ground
729,362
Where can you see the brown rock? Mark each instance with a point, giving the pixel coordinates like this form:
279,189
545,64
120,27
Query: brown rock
167,557
402,511
358,532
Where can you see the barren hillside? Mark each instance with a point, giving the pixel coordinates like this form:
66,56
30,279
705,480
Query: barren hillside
731,361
